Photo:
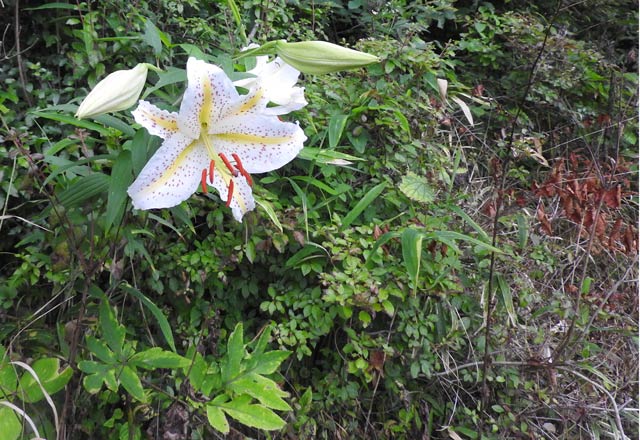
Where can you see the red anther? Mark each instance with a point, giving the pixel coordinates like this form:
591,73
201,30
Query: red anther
204,181
230,193
240,168
212,168
228,164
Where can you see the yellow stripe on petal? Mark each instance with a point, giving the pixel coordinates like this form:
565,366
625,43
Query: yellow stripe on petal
250,103
243,138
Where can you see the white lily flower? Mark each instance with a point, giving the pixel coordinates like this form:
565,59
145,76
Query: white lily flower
217,138
277,80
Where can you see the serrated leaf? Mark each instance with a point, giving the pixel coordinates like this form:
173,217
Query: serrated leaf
156,357
417,188
131,382
253,415
112,332
217,419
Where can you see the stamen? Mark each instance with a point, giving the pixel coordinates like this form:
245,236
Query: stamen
240,168
212,168
230,193
228,164
204,181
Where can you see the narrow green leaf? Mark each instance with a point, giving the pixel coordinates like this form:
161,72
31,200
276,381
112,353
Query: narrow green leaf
121,177
483,235
268,208
384,238
449,237
417,188
235,11
84,188
337,124
217,419
165,328
507,298
323,186
113,122
131,382
371,195
330,157
112,332
309,252
156,357
66,119
411,240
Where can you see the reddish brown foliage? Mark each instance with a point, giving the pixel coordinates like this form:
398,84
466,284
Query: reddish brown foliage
592,198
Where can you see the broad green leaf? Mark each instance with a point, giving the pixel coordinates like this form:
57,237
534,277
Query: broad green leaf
269,362
112,332
217,419
120,179
83,189
165,327
171,76
417,188
8,379
261,388
10,425
104,374
337,124
412,253
362,204
53,380
158,358
118,124
256,416
91,367
98,348
76,166
152,37
235,353
131,382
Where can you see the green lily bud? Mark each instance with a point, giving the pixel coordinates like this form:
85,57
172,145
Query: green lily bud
321,57
118,91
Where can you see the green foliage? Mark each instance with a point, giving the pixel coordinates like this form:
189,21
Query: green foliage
371,258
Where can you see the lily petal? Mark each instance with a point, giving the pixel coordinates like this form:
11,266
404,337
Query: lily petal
263,143
242,197
209,94
276,79
171,176
157,122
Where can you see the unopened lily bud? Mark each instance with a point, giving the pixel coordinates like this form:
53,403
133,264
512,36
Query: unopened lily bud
118,91
321,57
